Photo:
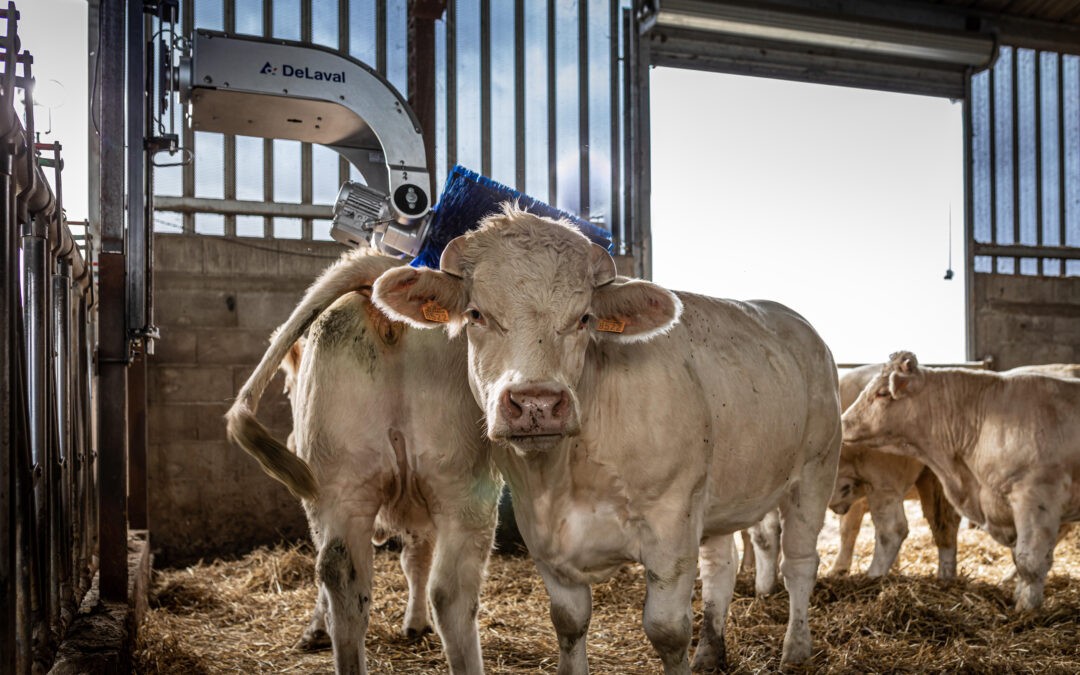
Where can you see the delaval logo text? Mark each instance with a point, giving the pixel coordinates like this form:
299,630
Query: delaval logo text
304,73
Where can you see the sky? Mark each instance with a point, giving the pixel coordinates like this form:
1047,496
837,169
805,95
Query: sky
834,201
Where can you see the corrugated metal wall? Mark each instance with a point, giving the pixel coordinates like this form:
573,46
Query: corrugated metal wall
1025,164
528,93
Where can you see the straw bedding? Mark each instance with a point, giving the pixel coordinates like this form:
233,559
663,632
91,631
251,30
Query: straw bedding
244,615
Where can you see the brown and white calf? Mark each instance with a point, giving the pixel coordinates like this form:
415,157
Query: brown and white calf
386,439
869,479
635,424
1006,447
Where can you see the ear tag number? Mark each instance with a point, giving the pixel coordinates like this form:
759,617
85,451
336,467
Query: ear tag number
610,325
434,313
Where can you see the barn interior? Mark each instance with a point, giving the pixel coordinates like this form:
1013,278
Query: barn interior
213,193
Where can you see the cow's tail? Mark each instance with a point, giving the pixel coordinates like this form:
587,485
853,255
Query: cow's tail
355,270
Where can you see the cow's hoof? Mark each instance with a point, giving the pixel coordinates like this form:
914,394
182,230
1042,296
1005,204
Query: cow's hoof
416,633
313,641
709,657
796,651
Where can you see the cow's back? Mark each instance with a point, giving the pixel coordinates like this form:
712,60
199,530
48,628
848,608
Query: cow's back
739,394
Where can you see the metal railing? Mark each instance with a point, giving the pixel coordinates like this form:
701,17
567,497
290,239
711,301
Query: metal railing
48,494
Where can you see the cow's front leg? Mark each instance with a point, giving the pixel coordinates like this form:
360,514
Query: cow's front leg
944,521
344,568
765,536
669,587
718,561
850,524
456,575
571,609
890,529
416,552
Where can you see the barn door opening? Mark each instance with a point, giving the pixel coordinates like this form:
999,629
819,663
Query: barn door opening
834,201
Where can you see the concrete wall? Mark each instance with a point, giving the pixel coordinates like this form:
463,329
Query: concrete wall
217,301
1022,320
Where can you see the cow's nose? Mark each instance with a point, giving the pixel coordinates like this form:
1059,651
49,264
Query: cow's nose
530,411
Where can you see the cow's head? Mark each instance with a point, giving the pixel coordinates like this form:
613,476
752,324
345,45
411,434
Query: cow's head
531,294
884,412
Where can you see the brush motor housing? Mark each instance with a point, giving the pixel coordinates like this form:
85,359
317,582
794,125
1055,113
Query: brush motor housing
363,216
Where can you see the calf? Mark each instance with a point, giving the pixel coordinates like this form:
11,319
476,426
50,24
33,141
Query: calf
385,439
868,478
635,424
1006,447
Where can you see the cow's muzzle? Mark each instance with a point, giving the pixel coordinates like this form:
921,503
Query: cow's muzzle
536,416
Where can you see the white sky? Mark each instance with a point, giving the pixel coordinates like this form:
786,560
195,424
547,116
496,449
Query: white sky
834,201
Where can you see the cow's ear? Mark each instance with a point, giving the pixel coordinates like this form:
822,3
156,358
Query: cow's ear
421,297
632,310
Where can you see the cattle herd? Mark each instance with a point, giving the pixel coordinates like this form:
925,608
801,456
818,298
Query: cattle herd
632,424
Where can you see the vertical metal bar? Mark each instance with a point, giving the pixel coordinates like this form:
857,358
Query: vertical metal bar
992,158
451,85
9,307
229,141
616,223
1061,154
268,145
136,482
343,47
1015,100
305,148
584,198
629,30
485,87
552,111
61,326
519,96
380,36
113,340
137,235
1038,161
971,337
421,74
641,159
188,169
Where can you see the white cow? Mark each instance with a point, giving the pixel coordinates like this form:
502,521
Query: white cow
386,439
880,481
1006,447
868,478
630,433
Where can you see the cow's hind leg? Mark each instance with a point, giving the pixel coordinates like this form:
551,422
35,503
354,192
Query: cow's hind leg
943,519
416,552
850,524
802,513
765,536
456,575
748,562
315,637
718,561
344,568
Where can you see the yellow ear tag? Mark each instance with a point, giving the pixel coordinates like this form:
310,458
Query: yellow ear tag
434,313
610,325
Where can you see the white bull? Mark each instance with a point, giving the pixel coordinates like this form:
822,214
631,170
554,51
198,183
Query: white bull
629,433
384,431
1006,447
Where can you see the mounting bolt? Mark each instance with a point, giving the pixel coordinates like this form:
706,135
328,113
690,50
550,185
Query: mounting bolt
207,79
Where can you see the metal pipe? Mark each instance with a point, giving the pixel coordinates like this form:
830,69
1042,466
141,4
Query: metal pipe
61,321
584,198
9,307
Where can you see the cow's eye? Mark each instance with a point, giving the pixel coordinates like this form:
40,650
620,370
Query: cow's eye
584,322
882,393
475,316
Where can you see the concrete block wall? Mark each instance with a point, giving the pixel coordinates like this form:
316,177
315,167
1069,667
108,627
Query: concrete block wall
1022,320
216,302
